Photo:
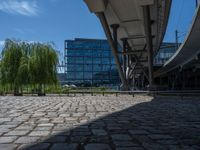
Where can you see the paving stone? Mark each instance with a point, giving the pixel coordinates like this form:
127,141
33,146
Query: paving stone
129,148
78,139
121,137
25,127
64,115
64,146
138,132
41,128
97,146
57,139
167,142
99,132
125,144
39,133
18,132
60,132
43,120
68,119
39,146
154,146
27,139
5,119
58,120
38,114
123,122
80,133
160,136
45,125
5,126
7,139
8,146
99,139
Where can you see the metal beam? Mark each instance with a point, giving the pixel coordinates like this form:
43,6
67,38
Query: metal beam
130,37
136,37
137,45
113,46
132,52
130,21
147,27
124,41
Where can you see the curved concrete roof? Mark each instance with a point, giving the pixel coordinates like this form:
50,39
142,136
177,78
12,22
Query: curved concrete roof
129,15
189,49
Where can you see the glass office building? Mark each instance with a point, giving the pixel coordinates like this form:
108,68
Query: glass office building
90,62
166,51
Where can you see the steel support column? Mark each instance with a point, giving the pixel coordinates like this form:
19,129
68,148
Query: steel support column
124,56
113,48
147,27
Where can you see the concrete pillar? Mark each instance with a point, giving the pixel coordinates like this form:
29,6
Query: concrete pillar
115,28
113,44
147,27
124,56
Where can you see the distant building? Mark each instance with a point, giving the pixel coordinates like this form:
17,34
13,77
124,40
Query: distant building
166,51
61,78
90,62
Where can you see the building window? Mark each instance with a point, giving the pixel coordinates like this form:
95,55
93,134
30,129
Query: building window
90,61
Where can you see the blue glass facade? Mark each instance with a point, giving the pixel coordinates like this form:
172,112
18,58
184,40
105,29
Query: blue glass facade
90,61
166,51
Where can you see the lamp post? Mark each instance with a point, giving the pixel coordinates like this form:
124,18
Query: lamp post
196,3
176,36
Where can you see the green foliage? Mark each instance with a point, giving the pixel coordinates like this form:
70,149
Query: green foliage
43,62
27,64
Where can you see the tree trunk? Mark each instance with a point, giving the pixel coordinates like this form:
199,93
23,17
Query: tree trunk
16,91
21,90
44,89
40,93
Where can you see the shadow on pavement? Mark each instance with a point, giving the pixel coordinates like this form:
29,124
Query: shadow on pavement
160,124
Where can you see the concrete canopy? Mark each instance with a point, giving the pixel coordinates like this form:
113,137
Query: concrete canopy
129,15
139,27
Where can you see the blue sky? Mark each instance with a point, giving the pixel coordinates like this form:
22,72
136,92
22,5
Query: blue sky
57,20
182,12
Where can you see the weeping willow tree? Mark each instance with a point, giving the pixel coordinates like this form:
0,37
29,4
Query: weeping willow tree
11,59
23,75
24,64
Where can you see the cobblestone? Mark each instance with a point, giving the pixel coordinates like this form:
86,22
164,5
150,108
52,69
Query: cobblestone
97,146
8,146
62,146
99,123
7,139
39,133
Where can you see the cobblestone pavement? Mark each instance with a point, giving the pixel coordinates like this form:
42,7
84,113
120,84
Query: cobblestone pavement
99,123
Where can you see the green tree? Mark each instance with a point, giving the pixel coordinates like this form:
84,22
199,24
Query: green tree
25,64
23,75
43,62
11,57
